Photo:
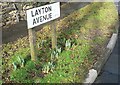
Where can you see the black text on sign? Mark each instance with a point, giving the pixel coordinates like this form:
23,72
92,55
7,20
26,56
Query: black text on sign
43,14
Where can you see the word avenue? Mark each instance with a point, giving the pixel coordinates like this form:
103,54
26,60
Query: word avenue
43,14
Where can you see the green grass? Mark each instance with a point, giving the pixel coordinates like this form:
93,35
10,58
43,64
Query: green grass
85,30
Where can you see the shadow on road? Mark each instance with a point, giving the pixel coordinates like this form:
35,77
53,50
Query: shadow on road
19,30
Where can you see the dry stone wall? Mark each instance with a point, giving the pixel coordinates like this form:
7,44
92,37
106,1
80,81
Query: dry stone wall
14,12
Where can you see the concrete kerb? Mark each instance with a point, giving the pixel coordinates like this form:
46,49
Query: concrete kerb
93,73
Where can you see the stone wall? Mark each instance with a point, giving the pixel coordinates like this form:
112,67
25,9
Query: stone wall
14,12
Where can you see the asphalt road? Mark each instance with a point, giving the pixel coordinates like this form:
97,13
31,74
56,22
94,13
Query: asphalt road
19,30
111,70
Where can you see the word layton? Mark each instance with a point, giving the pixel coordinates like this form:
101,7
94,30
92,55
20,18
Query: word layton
41,11
43,14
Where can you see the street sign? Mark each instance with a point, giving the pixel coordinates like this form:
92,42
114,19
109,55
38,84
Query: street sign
43,14
38,16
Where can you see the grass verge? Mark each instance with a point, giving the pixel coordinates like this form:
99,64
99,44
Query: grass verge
82,36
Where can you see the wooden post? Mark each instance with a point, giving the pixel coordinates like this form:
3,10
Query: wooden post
54,36
32,41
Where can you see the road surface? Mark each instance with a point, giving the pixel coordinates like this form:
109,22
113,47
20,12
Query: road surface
111,71
19,30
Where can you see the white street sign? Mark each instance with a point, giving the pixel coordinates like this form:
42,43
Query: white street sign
43,14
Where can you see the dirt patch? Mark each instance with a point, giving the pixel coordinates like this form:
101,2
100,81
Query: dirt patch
19,30
77,44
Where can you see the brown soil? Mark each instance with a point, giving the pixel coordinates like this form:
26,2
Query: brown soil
19,30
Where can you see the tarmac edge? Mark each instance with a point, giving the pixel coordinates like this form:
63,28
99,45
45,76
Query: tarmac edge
93,73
